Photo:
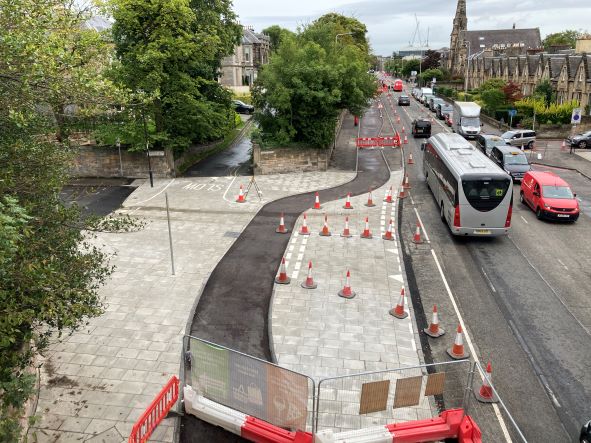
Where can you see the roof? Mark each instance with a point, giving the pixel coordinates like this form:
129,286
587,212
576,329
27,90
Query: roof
556,64
501,39
573,65
548,178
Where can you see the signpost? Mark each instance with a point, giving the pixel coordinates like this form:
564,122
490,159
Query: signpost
512,113
575,119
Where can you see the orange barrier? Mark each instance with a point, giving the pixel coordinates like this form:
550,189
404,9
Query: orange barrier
370,142
156,412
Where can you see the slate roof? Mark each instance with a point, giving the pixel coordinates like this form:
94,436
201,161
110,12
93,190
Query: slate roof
528,38
556,64
533,61
512,64
573,65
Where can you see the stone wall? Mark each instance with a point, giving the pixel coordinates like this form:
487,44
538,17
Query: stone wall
284,160
562,131
99,161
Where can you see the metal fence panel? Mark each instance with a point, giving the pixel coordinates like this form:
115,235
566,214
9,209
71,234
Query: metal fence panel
250,385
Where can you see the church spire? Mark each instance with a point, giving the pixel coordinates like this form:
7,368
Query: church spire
461,19
460,25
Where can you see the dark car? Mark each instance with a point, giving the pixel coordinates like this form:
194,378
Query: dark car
404,100
586,433
442,109
243,108
511,160
421,128
485,142
580,140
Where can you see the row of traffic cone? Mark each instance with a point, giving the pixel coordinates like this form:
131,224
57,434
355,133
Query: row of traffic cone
309,282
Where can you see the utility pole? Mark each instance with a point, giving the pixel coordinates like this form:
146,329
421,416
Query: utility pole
467,44
148,149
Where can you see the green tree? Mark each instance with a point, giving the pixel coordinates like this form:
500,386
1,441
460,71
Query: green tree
567,37
429,74
492,84
546,92
410,65
492,99
170,50
340,24
277,34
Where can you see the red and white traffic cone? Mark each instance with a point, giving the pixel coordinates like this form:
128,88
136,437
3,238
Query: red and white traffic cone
366,232
282,278
388,197
399,311
486,394
346,233
304,229
410,159
370,203
281,229
405,138
348,202
457,351
309,282
317,202
388,235
434,330
406,184
347,292
417,237
325,230
241,198
402,129
563,146
398,119
401,193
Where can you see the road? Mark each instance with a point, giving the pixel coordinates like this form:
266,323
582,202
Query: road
524,299
97,197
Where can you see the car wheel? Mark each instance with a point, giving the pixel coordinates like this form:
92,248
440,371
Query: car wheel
539,213
530,145
582,144
521,199
442,213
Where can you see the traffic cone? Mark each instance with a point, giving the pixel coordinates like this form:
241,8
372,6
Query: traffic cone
282,278
402,129
434,330
406,184
317,202
281,229
370,203
402,193
398,119
388,198
410,159
347,292
417,237
348,202
366,232
563,146
405,138
309,282
241,198
485,394
325,231
457,351
304,230
399,311
346,233
388,235
395,113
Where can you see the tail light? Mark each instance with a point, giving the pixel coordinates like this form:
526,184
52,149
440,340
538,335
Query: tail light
509,214
457,223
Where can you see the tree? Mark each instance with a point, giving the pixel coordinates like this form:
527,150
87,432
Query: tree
340,24
493,83
409,66
512,92
431,60
567,38
493,99
277,34
171,51
545,91
428,75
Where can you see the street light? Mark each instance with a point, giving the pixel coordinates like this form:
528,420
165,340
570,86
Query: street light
338,35
467,44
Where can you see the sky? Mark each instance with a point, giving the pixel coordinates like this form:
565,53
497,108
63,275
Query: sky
391,23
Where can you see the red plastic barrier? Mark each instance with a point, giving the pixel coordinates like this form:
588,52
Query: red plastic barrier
156,412
260,431
469,431
447,425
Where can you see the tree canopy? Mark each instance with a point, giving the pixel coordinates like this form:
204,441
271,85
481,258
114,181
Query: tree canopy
410,65
567,37
310,78
277,34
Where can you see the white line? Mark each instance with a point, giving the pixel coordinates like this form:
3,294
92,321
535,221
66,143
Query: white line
469,342
562,263
288,256
157,194
228,188
492,287
411,200
422,225
522,218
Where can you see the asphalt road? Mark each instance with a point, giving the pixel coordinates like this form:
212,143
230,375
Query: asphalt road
524,299
97,196
233,307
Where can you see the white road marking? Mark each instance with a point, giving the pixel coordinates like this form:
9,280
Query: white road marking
288,256
422,226
488,280
562,263
411,200
155,195
522,218
469,342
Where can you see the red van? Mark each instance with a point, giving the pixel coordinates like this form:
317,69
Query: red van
398,85
549,196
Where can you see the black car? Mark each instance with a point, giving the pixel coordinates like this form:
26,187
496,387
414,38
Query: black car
242,108
421,128
485,142
404,100
580,140
586,433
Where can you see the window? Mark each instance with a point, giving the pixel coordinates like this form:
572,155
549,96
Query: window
485,195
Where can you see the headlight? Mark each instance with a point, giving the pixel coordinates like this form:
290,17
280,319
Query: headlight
546,206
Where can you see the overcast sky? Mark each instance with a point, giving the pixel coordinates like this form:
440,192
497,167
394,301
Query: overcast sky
391,24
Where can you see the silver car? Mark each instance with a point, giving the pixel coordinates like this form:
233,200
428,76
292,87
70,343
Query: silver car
520,138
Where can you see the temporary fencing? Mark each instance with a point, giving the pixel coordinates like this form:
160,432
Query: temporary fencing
370,142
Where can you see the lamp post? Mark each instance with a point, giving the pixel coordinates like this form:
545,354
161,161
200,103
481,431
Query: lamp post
467,44
148,149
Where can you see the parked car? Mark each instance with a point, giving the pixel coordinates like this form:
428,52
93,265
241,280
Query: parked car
520,137
404,100
580,141
449,121
485,142
424,99
421,128
442,109
511,160
242,108
434,101
550,197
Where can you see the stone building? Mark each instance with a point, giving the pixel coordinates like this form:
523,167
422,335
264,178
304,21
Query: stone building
241,68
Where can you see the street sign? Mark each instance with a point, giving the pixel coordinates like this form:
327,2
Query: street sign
575,118
413,73
512,112
156,153
434,79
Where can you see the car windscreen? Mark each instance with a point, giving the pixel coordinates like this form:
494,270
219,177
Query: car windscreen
470,121
557,192
494,141
508,134
485,194
422,124
515,159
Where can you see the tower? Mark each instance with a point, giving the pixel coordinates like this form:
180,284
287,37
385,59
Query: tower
460,25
